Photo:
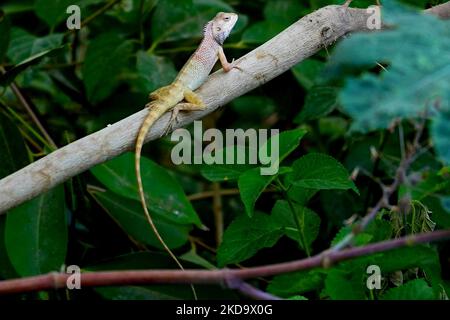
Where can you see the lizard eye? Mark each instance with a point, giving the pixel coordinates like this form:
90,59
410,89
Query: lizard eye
219,29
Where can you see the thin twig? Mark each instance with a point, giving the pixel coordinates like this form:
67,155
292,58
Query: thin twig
387,191
223,192
29,110
218,213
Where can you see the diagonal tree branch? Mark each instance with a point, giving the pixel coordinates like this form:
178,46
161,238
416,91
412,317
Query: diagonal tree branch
298,42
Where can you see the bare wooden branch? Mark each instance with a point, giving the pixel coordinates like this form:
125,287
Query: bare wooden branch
298,42
232,278
442,10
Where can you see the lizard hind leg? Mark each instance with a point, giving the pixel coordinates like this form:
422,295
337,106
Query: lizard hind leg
192,98
194,103
150,104
160,93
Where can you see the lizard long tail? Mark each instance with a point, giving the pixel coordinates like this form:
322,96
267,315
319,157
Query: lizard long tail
154,114
146,125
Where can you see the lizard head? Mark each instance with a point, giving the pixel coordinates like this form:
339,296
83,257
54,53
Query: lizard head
222,24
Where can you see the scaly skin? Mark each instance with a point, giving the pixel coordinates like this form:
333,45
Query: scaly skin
192,75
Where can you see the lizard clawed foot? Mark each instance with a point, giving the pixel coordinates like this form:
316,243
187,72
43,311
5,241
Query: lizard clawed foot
173,120
233,65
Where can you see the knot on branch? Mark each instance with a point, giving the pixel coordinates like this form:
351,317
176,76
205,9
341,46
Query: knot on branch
326,32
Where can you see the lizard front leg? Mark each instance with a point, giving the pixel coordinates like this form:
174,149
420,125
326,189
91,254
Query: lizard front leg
224,62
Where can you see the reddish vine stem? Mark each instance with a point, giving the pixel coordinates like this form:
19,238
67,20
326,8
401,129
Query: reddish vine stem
222,276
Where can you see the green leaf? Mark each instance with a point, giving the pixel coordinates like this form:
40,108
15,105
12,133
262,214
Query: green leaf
361,239
405,258
308,220
300,195
174,20
284,143
334,127
228,172
154,71
411,257
307,71
341,285
287,142
163,193
261,32
23,45
52,41
52,11
320,101
439,213
245,236
14,153
198,260
377,230
131,13
285,285
26,50
106,57
297,297
278,16
431,183
7,270
418,72
251,184
130,216
11,74
352,274
17,7
5,29
36,234
320,171
13,157
417,289
249,107
223,172
440,131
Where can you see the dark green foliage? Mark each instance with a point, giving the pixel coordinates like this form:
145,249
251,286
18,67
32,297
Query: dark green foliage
36,234
334,112
417,80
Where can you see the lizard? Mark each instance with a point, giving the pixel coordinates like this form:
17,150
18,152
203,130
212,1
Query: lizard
170,98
